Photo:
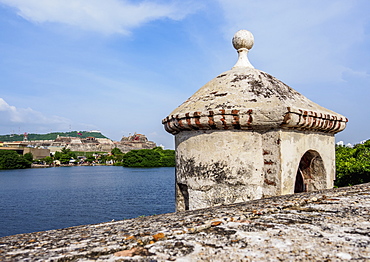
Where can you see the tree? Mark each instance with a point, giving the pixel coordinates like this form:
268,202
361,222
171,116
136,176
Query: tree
28,157
117,156
141,158
90,159
156,157
48,160
167,157
11,160
65,155
353,164
116,151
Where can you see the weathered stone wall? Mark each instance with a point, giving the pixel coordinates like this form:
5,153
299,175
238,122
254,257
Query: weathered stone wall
37,153
128,146
271,154
90,147
92,144
328,225
230,166
294,145
231,173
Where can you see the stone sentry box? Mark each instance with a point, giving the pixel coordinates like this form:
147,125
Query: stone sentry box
246,135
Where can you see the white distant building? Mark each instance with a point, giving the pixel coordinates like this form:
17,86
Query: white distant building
340,143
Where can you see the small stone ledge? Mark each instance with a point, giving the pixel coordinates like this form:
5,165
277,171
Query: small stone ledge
327,225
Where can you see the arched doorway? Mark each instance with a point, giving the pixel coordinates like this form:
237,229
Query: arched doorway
311,174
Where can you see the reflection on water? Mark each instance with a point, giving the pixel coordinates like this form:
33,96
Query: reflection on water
51,198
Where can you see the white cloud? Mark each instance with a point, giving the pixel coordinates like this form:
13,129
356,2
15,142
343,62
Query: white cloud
11,115
356,74
31,121
107,16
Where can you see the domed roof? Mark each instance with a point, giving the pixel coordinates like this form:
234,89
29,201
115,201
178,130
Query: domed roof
247,98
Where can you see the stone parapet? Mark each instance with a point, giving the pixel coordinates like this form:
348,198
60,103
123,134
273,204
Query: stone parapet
327,225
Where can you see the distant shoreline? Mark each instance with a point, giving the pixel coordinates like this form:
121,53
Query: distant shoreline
65,165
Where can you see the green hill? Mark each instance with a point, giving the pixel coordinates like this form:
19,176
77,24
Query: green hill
51,136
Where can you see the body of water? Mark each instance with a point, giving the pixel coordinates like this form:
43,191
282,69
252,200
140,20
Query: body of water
41,199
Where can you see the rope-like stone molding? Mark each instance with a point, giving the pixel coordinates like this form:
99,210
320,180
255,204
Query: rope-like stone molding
227,119
310,120
222,119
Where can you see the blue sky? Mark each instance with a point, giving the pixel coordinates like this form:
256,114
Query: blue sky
121,66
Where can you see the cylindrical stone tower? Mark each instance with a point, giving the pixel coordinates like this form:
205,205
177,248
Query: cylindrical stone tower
246,135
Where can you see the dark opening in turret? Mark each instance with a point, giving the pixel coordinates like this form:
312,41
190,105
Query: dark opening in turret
182,197
299,183
311,174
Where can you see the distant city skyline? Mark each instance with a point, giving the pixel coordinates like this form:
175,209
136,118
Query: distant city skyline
121,66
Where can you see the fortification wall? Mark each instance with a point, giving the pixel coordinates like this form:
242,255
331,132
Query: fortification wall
93,144
327,225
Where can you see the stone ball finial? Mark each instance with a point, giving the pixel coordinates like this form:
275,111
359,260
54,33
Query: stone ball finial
243,39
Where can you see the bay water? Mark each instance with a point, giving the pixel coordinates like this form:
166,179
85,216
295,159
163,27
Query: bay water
39,199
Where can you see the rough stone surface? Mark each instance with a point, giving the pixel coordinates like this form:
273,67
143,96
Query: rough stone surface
328,225
246,98
231,173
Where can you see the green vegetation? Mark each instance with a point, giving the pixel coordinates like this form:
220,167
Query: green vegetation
116,157
47,160
28,157
87,154
116,151
10,159
156,157
90,159
353,164
51,136
65,156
